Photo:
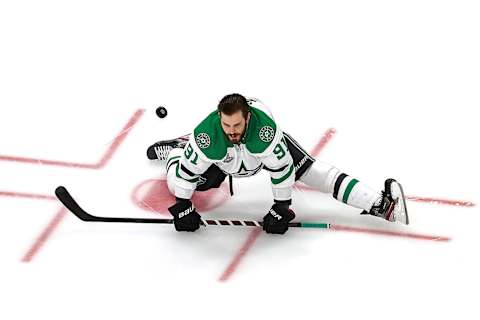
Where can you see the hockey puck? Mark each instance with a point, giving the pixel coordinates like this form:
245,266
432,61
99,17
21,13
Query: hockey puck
161,112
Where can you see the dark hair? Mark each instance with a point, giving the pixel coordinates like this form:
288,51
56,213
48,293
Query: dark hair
232,103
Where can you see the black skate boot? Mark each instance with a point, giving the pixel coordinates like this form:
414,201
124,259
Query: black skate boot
392,205
161,149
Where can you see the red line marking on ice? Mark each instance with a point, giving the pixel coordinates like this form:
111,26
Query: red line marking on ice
252,237
99,164
119,138
416,236
457,203
44,235
26,195
48,162
327,136
232,267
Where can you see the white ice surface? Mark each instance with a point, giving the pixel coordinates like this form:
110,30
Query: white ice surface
399,80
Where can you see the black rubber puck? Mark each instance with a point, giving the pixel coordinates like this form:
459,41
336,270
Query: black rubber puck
161,112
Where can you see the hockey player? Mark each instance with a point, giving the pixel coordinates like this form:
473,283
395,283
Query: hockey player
241,138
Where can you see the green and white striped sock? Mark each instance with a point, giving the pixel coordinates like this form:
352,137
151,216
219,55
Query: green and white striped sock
354,193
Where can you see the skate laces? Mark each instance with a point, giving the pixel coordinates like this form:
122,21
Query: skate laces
382,206
387,206
379,204
162,152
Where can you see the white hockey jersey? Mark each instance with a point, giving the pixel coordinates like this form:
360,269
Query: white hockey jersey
262,146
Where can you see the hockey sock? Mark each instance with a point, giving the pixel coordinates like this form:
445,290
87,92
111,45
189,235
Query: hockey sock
354,193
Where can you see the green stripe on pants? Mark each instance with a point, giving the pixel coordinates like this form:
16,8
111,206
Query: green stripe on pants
285,177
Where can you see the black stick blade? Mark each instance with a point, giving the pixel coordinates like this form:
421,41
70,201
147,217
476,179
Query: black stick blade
64,196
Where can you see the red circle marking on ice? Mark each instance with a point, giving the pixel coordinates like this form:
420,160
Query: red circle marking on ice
153,195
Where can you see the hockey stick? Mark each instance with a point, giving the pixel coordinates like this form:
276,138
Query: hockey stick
64,196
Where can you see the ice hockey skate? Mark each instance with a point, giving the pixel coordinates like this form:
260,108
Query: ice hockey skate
392,205
161,149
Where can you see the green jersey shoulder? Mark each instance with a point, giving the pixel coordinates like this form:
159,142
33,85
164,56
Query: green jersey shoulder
210,139
260,136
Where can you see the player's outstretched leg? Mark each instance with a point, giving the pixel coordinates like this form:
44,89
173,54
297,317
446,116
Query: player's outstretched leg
161,149
391,205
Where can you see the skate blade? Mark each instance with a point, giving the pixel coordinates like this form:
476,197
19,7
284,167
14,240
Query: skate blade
400,211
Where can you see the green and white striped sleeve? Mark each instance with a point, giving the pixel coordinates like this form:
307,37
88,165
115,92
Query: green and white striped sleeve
279,163
192,164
